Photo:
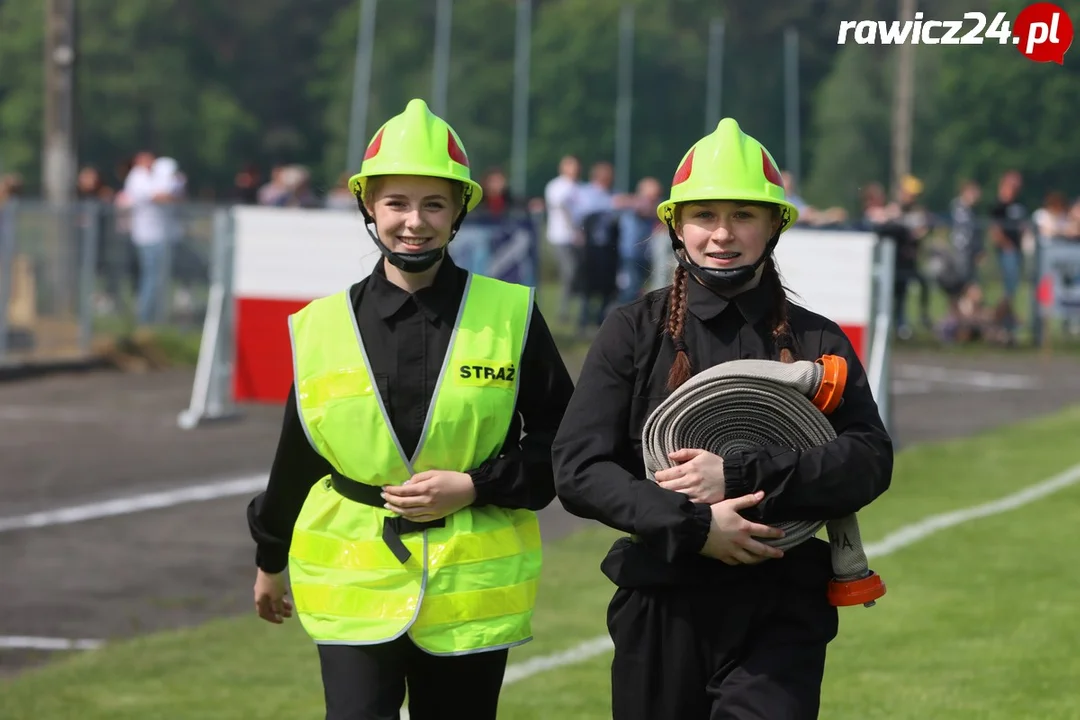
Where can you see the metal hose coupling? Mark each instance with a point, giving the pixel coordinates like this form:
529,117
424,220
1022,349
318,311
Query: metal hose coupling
747,404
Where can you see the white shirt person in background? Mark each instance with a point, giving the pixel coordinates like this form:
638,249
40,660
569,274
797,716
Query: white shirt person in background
149,190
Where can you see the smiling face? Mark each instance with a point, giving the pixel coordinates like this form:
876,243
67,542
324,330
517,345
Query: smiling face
723,234
412,214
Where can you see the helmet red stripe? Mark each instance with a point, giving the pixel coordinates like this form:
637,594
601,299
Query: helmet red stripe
456,153
373,148
771,173
683,173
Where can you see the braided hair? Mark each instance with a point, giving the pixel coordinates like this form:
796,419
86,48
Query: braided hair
681,368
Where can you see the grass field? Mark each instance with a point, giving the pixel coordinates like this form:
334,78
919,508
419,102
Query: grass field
979,620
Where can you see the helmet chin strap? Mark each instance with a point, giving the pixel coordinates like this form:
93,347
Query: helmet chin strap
414,262
720,280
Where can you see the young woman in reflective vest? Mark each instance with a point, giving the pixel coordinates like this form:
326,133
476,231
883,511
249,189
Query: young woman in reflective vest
402,496
707,621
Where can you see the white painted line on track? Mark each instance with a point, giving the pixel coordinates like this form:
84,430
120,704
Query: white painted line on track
21,642
979,379
129,504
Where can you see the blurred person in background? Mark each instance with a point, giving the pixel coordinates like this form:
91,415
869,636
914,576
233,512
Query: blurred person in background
402,496
147,192
906,224
111,255
1008,222
955,267
296,183
1053,220
598,271
706,620
274,193
121,222
809,215
559,197
596,213
246,186
1074,220
911,230
636,227
497,201
877,210
10,189
966,231
340,197
596,195
187,267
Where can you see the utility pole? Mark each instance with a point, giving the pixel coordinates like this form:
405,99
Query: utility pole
714,74
519,146
624,98
793,145
365,44
440,78
58,153
903,103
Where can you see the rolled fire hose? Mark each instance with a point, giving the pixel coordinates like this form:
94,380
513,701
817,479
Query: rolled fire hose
747,404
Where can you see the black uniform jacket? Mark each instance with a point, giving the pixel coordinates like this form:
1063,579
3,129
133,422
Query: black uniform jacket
600,472
406,337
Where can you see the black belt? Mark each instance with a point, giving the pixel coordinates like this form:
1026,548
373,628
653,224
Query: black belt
393,527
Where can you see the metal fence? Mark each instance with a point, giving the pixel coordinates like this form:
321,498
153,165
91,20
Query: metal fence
70,275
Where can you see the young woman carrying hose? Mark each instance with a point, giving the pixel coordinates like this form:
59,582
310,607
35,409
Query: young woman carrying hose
402,494
708,621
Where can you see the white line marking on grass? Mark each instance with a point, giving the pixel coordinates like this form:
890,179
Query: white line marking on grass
898,540
542,663
915,532
20,642
129,504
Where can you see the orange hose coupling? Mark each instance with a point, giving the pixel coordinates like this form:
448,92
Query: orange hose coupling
831,390
861,591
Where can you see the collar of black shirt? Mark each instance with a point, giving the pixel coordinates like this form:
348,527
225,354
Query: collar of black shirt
754,304
439,301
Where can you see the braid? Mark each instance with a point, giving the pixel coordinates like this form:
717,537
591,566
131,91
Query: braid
680,369
781,332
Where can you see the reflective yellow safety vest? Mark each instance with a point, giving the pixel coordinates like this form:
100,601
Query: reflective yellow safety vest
468,586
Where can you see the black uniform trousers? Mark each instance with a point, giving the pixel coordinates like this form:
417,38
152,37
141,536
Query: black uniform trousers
718,653
368,682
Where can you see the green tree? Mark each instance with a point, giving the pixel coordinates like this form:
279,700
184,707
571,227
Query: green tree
998,110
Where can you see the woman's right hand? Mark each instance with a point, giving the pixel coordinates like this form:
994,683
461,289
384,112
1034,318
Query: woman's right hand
731,536
270,600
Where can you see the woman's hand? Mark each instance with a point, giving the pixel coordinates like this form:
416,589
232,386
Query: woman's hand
699,475
430,495
731,536
270,602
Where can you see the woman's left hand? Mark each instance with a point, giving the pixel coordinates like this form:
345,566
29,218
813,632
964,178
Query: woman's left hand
430,495
698,474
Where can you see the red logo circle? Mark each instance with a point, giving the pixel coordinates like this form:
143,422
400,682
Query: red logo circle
1043,32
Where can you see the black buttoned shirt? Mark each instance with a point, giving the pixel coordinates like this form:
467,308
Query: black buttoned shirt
407,337
600,472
